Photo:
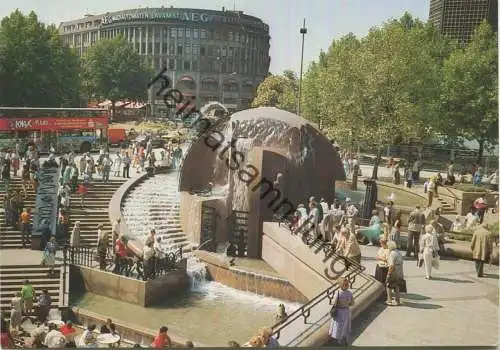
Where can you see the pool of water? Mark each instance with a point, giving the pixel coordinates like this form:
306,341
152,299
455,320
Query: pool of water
211,314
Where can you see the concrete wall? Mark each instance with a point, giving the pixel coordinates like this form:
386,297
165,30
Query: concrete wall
130,332
293,260
128,289
257,283
464,200
191,213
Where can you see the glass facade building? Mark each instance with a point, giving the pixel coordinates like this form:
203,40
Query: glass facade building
213,55
459,18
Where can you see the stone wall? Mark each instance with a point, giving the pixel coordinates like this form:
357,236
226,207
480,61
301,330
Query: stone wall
130,290
129,332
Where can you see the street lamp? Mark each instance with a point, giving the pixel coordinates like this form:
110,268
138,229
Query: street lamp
303,32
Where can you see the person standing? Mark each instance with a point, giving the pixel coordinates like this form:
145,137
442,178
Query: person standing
117,164
382,266
106,168
480,205
25,222
44,304
148,259
482,248
494,181
162,340
50,255
349,247
16,311
416,222
340,327
395,274
102,246
429,248
126,166
115,229
28,295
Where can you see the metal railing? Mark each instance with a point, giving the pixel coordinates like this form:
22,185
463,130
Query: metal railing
130,266
453,195
351,267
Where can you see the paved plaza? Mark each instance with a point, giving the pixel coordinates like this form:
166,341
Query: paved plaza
454,308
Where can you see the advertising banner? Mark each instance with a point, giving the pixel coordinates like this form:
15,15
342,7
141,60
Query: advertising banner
53,123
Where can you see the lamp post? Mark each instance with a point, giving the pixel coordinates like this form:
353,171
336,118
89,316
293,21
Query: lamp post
303,31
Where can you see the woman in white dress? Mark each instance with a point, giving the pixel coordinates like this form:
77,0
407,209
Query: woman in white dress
429,248
74,240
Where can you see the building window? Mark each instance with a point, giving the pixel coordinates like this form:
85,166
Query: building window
180,32
179,49
203,33
217,35
237,36
173,32
188,50
194,66
188,32
187,65
196,49
171,63
230,36
224,52
195,33
202,51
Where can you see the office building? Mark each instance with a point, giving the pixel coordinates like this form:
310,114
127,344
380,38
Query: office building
459,18
213,55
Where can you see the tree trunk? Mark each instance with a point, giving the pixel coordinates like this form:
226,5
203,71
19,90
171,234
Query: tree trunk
480,152
377,163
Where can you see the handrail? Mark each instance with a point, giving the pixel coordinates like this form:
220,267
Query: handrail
454,196
354,269
85,256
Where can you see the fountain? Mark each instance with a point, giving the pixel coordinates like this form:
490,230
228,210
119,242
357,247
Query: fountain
269,159
237,314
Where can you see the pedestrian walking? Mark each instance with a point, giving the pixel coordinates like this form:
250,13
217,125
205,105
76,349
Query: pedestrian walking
428,253
482,248
416,222
340,326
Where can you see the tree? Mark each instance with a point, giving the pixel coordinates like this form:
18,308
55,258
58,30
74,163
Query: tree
113,70
36,68
470,89
278,91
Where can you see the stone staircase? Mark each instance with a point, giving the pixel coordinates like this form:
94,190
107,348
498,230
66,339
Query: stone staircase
446,208
12,279
156,204
95,211
10,237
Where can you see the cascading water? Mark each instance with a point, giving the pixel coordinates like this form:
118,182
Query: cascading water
247,135
155,204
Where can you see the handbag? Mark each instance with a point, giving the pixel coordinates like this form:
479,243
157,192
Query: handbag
333,310
420,261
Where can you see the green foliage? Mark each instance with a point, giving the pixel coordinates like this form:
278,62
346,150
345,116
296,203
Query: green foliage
470,188
36,68
115,71
278,91
470,88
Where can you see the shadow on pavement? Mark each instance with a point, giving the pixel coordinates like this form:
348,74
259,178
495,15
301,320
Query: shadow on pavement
451,280
411,296
364,319
491,276
422,306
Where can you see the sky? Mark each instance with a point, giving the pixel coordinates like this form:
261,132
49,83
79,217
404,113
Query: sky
326,20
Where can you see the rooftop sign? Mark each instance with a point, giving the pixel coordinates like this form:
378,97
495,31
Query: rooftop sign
187,16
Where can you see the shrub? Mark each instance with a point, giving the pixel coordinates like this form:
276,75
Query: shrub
470,188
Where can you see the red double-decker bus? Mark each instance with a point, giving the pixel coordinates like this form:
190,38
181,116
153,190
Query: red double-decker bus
65,129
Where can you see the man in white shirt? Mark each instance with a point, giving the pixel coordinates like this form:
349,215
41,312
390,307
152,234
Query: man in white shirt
313,217
148,259
115,230
150,238
324,205
54,338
